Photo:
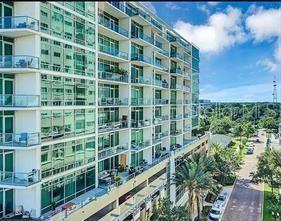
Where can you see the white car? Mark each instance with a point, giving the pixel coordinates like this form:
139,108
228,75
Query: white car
221,199
215,213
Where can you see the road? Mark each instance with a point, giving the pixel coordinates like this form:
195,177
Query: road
246,200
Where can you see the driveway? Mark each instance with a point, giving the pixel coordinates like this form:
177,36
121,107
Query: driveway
246,200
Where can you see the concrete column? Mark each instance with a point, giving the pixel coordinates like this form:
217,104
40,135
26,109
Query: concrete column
172,172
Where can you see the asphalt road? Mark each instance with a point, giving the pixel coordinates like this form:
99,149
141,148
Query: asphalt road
246,200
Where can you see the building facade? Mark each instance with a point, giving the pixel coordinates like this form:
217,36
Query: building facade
98,102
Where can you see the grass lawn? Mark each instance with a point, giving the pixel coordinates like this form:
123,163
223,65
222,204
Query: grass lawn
267,193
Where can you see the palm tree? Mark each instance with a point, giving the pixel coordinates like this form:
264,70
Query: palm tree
195,175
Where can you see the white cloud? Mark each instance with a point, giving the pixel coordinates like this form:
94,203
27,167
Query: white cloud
247,93
150,6
204,8
222,30
213,3
172,6
265,25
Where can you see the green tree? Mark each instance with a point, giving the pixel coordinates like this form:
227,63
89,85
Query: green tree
164,212
268,169
227,162
220,126
268,123
195,175
248,130
238,131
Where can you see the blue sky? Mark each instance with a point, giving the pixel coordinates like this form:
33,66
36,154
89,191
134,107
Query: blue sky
240,45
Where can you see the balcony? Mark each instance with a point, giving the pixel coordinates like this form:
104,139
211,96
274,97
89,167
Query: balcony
186,115
19,140
163,83
114,76
140,123
110,29
186,89
177,55
19,101
173,101
176,71
18,26
141,59
186,102
19,63
164,37
108,101
137,146
141,17
140,102
17,179
176,117
164,53
141,80
157,137
158,44
175,132
121,12
142,39
112,126
176,86
120,55
161,101
160,66
186,128
112,151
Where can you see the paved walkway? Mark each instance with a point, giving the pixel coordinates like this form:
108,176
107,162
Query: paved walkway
246,200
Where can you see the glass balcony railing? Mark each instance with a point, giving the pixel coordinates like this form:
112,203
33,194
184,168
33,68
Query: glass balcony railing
164,52
111,76
186,102
176,71
161,66
140,145
19,179
175,132
140,101
186,128
158,44
113,27
111,151
111,126
177,55
186,89
19,139
176,86
11,100
143,37
176,117
160,83
160,101
141,57
19,61
173,101
141,80
113,51
19,22
108,101
140,123
186,115
118,5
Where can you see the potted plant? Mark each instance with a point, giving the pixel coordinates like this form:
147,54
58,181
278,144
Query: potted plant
117,180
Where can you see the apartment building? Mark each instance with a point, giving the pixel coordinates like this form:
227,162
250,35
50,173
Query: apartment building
98,104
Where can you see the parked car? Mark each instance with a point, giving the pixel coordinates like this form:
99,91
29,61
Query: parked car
215,213
250,150
221,199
